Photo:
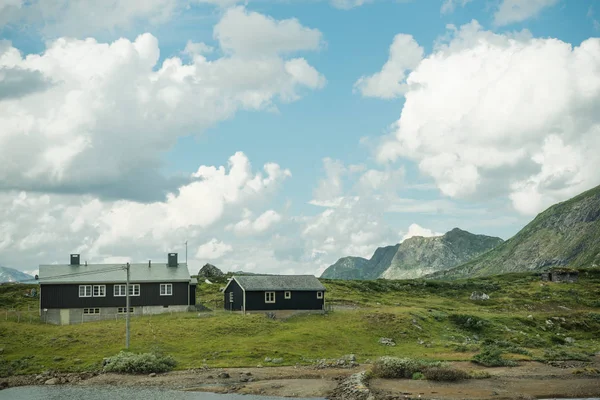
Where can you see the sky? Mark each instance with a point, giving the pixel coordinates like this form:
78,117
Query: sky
276,136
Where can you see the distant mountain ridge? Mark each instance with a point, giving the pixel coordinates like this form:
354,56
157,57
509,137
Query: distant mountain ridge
414,257
13,275
566,234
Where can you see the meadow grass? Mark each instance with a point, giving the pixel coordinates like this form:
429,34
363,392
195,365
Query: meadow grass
426,319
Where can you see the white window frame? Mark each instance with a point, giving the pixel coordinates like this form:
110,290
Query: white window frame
91,311
319,295
119,291
101,291
269,297
134,289
288,295
123,310
168,289
87,290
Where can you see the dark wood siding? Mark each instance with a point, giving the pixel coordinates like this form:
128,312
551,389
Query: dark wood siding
67,296
192,295
299,301
238,298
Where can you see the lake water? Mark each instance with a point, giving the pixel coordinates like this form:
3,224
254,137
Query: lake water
114,393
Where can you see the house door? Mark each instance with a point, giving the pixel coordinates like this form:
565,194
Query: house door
64,316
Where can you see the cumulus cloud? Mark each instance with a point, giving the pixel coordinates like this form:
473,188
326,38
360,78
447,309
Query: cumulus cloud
405,54
261,224
213,250
491,114
108,112
348,4
512,11
42,228
417,230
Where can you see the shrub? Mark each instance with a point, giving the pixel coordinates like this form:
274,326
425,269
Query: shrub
465,348
478,374
445,374
507,347
468,322
491,356
130,363
417,376
562,355
394,367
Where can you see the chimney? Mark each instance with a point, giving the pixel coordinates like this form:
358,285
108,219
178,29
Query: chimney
74,259
149,263
172,260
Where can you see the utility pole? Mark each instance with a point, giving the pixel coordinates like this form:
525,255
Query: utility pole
186,252
127,309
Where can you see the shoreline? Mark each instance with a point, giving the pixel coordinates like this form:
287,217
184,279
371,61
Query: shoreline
529,380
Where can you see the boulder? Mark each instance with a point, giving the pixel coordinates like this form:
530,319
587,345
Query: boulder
277,360
387,341
51,381
152,375
223,375
210,271
479,296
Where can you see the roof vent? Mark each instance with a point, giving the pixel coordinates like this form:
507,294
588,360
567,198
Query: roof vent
172,260
74,259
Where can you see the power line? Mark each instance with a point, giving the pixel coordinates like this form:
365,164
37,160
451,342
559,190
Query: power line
83,273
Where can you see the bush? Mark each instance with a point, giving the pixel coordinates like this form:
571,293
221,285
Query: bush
417,376
477,374
507,347
491,356
468,322
562,355
394,367
130,363
445,374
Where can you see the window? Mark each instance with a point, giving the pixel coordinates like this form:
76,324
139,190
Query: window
288,295
166,289
85,290
319,295
91,311
123,310
119,290
134,290
99,291
269,297
231,297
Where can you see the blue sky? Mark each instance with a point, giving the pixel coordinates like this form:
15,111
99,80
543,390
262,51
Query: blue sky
344,194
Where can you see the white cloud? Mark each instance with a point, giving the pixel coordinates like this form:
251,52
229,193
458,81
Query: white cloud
511,11
449,6
405,54
66,132
488,114
260,225
417,230
247,32
213,250
348,4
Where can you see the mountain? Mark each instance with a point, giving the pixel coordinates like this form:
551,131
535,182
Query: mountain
414,257
566,234
12,275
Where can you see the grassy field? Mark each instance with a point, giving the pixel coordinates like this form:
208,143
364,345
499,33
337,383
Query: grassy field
426,319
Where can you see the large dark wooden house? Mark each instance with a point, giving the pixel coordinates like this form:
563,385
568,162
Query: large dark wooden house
274,292
76,292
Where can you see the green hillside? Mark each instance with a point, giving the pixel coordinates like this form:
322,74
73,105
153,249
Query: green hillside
566,234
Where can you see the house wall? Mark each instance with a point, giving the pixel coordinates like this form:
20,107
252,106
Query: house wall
301,300
67,296
70,316
238,297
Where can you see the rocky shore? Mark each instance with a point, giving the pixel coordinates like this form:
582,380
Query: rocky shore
346,380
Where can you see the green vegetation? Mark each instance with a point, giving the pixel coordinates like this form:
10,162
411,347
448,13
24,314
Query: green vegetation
491,356
394,367
145,363
524,318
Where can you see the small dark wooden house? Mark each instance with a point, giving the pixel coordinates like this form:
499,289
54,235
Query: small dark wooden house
273,293
77,292
560,275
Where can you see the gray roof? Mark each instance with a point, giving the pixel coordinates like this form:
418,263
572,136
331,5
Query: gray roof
279,282
112,273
